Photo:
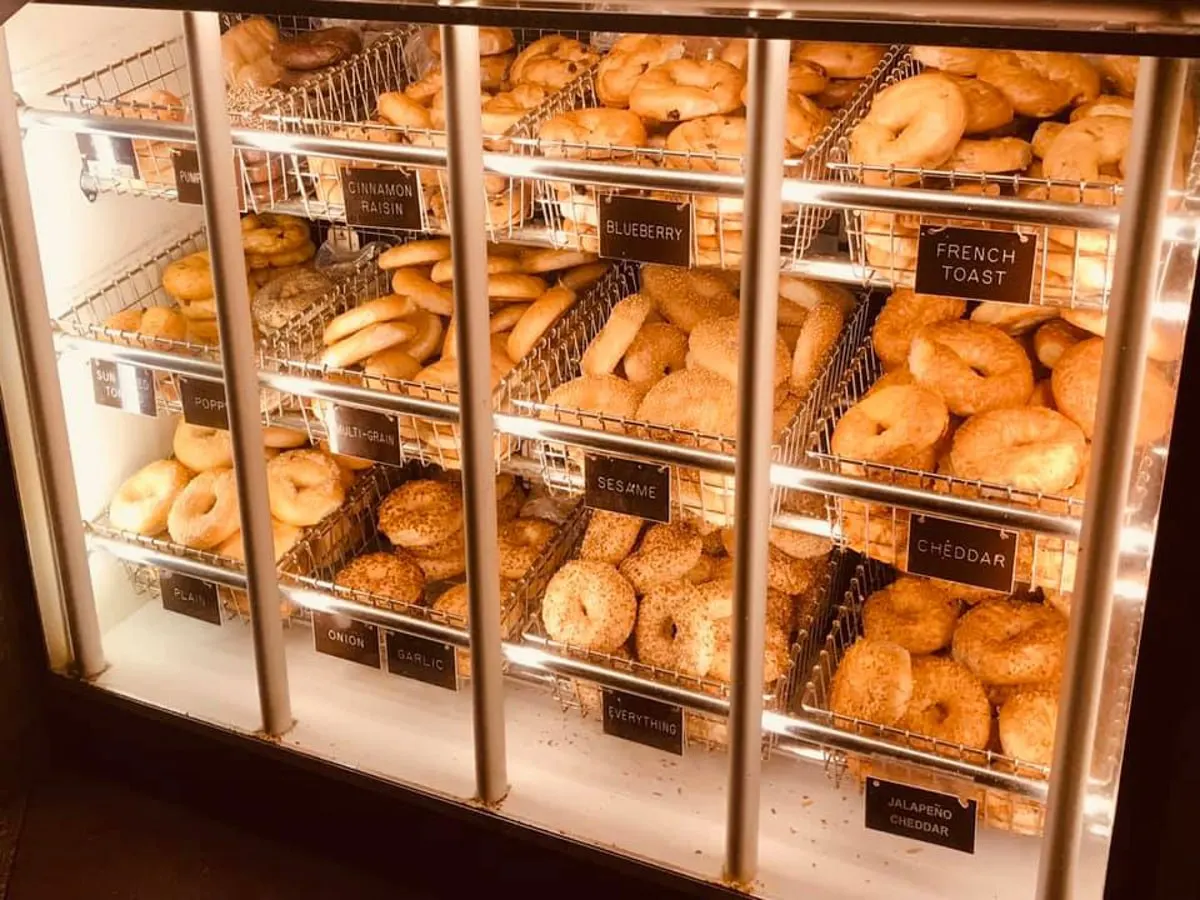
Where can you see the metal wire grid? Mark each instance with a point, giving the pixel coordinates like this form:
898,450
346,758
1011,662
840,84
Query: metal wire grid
1073,267
296,347
700,729
881,531
140,288
556,358
353,531
343,103
572,210
998,809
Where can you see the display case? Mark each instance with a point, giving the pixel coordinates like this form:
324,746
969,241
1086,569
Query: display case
733,438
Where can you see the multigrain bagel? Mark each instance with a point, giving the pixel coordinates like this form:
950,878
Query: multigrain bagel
873,682
948,704
1011,642
144,499
916,613
1032,449
1075,383
973,367
889,426
589,605
903,315
1040,84
913,124
687,89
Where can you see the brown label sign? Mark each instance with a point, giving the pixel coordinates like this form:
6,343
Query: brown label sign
188,188
975,264
921,815
653,231
343,637
382,198
190,597
364,434
203,403
643,721
624,486
964,553
422,659
125,387
106,156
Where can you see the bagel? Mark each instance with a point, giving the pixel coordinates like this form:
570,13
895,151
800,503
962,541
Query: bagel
619,71
667,553
841,60
270,234
391,576
806,78
381,309
1011,642
310,50
1104,106
693,400
190,278
673,630
687,89
915,613
708,144
657,350
551,62
304,486
1031,449
592,134
501,112
1120,72
285,297
421,513
838,93
143,501
435,298
686,297
606,349
713,345
393,364
1027,721
954,60
537,319
889,426
1040,84
948,704
520,542
610,536
606,396
816,340
205,512
1044,137
1082,149
987,107
201,449
589,605
367,342
1002,154
415,253
912,124
1166,338
445,559
873,683
1075,383
1053,339
1012,319
975,368
543,260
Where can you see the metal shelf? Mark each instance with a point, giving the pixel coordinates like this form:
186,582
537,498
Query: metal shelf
970,510
527,660
815,193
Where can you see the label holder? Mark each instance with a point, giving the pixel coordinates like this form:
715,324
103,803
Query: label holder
962,552
626,486
345,638
125,387
641,720
975,264
920,815
191,597
645,230
421,659
381,198
203,403
363,434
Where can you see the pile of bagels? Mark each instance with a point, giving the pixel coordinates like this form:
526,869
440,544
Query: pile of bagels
191,498
1005,398
254,53
681,103
666,359
404,342
662,595
1058,120
968,668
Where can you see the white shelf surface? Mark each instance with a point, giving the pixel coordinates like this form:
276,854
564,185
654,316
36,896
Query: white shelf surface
567,777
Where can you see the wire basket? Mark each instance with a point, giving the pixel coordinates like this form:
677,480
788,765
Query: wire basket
353,531
1072,266
572,210
316,546
881,531
344,103
556,360
700,729
996,808
296,347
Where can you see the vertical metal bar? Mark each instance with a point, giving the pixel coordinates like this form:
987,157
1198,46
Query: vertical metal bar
214,148
767,71
464,171
34,345
1139,244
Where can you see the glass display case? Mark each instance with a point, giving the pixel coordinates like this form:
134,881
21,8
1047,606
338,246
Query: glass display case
733,437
